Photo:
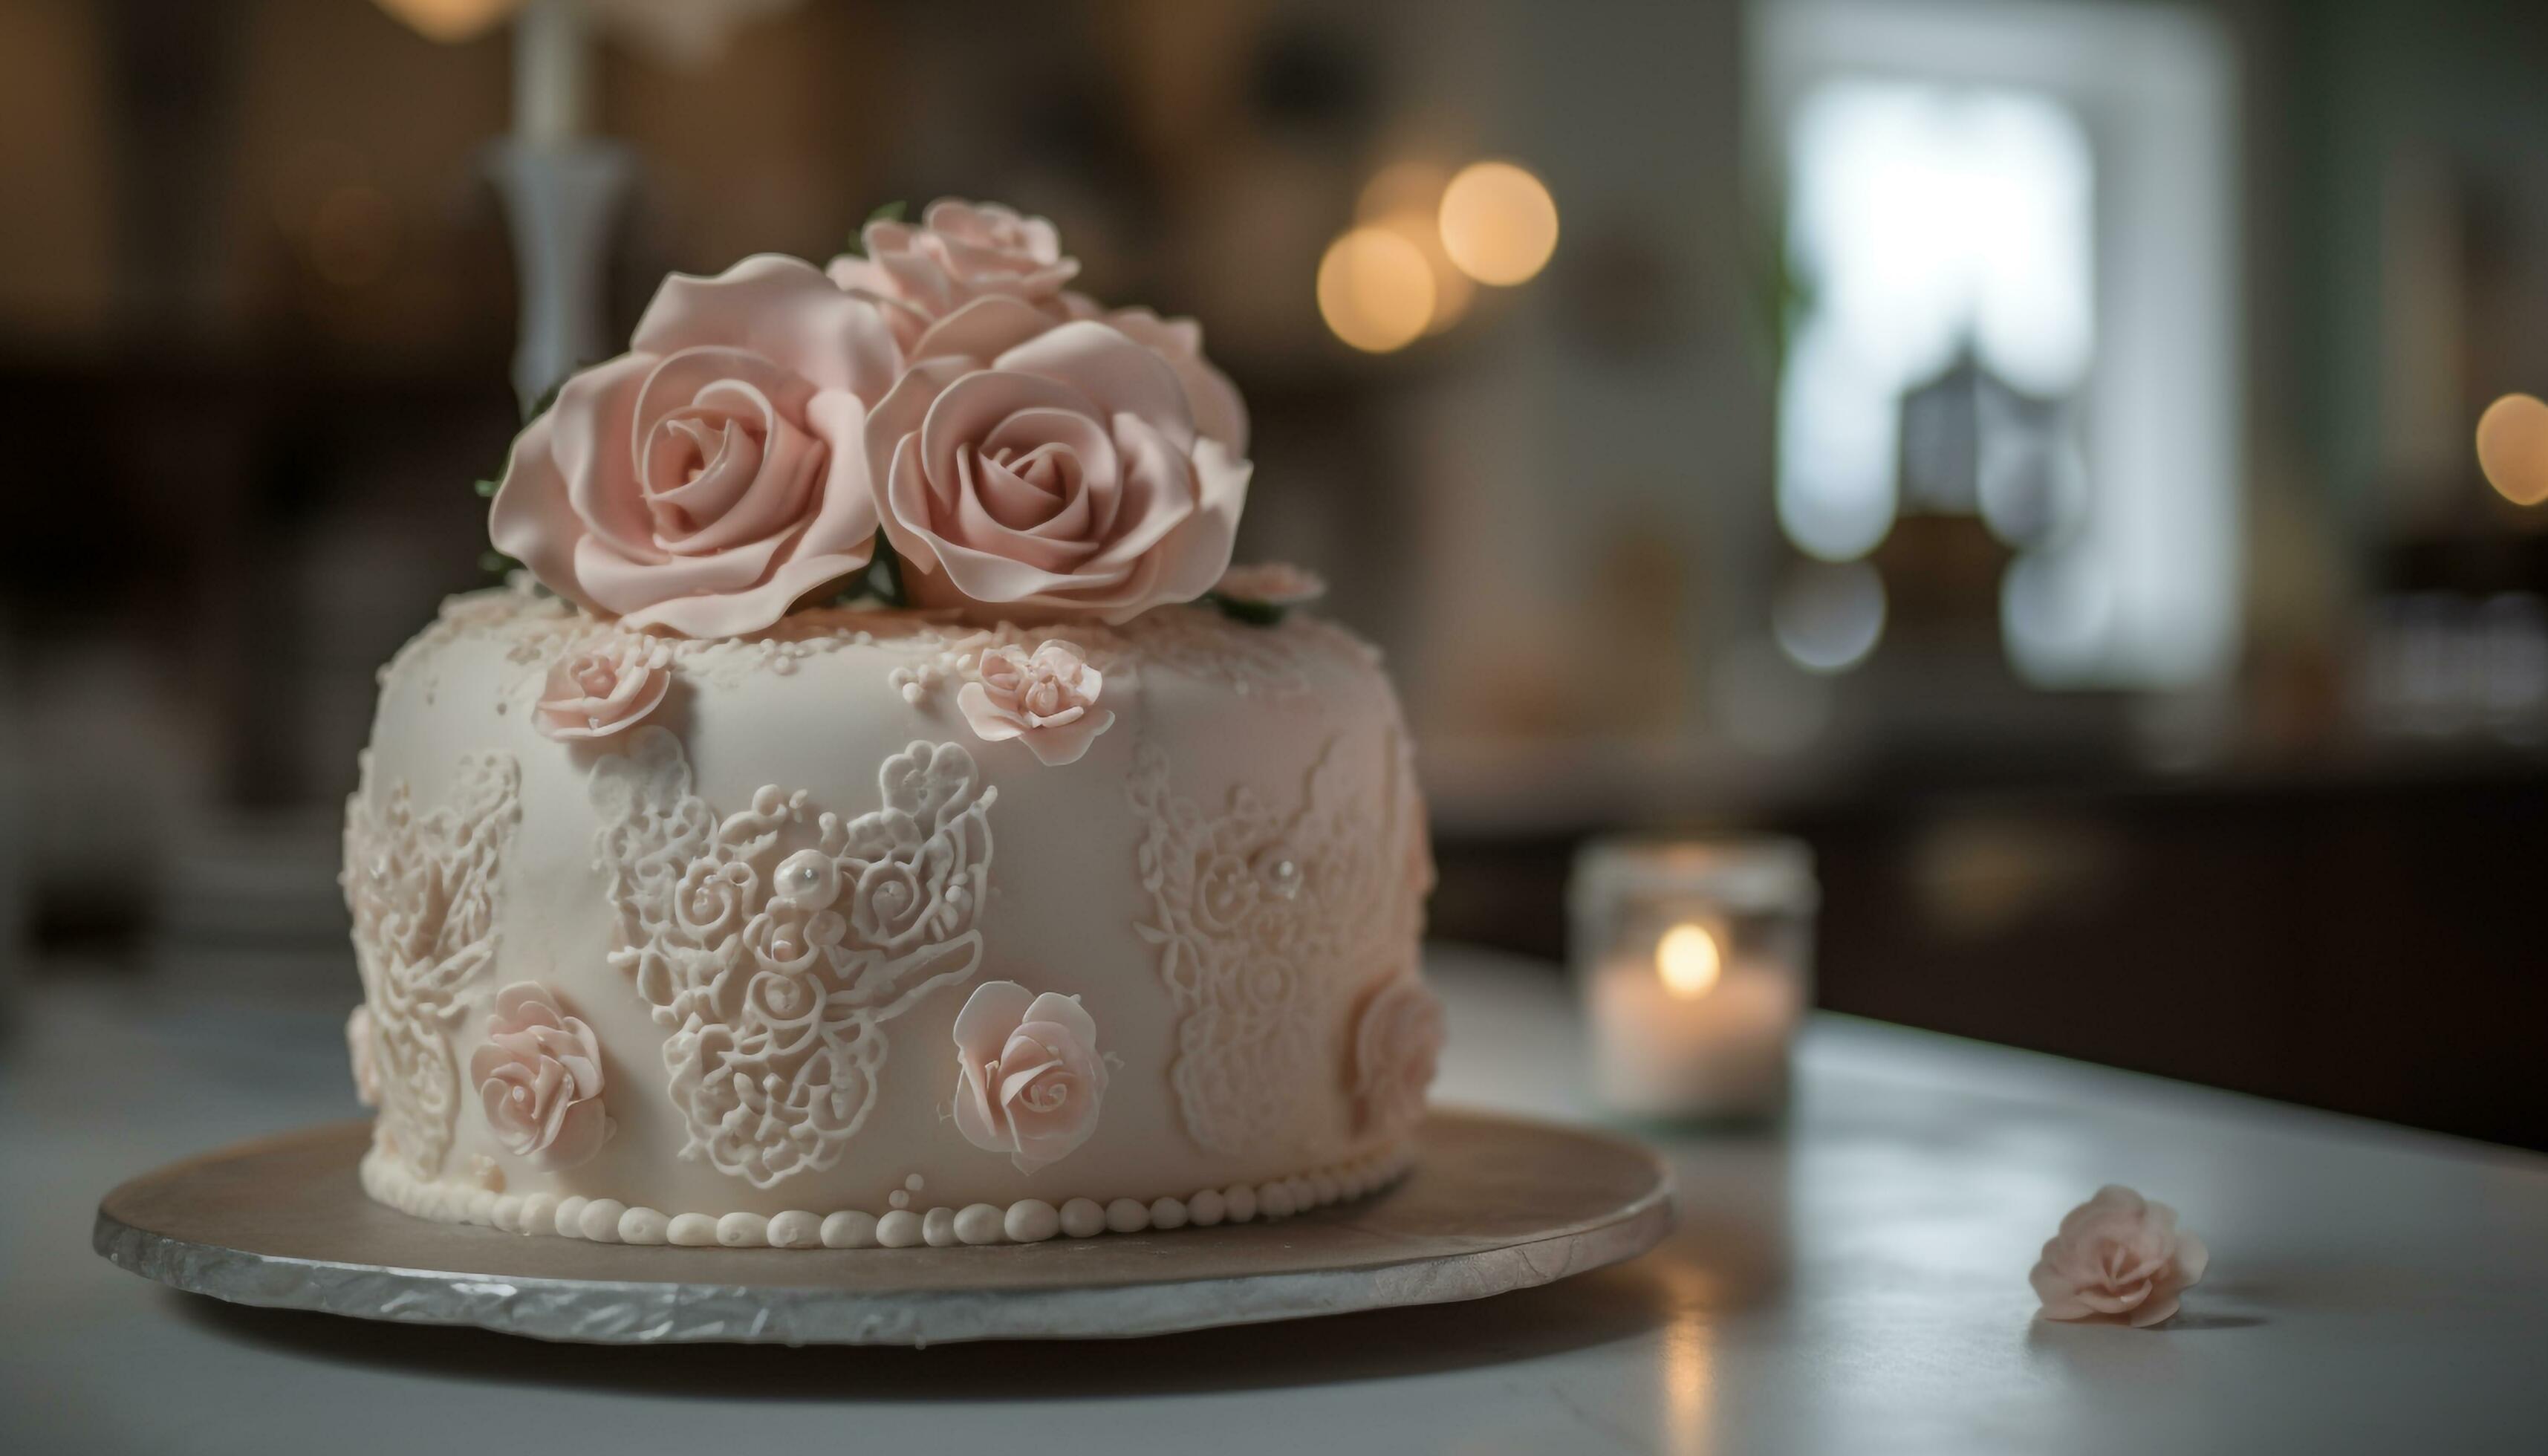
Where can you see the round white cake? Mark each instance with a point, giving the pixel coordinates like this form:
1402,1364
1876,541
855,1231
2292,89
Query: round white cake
1056,902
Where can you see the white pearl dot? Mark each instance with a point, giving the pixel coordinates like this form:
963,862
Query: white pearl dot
1082,1218
691,1231
850,1229
1167,1212
1032,1221
600,1220
740,1229
1128,1216
898,1230
643,1225
568,1220
1241,1200
977,1222
539,1214
796,1229
1207,1208
938,1228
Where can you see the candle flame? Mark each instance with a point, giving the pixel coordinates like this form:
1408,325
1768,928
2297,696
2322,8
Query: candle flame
1688,961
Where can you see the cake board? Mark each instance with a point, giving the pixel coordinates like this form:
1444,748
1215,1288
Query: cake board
1493,1204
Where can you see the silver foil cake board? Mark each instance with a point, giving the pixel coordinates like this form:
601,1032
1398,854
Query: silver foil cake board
1493,1204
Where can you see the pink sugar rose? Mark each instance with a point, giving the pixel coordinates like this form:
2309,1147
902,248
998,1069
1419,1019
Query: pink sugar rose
1397,1047
1047,698
539,1078
2118,1256
958,253
596,691
718,472
1029,1079
1218,412
1063,472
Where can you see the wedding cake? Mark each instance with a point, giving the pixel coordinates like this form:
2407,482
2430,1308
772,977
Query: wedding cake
877,813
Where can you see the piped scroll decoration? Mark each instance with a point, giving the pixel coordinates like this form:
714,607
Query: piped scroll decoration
776,942
421,890
1253,909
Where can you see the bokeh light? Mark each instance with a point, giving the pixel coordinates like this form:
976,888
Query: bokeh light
1375,290
1828,617
450,21
2513,448
1452,289
1498,223
1403,187
1688,961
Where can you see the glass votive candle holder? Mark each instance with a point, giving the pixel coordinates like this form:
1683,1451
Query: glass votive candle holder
1694,961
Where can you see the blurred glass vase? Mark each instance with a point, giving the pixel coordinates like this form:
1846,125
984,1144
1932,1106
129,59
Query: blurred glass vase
1693,962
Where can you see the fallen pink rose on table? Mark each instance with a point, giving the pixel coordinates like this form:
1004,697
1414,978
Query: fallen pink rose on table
2117,1257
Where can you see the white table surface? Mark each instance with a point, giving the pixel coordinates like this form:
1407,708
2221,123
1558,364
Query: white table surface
1856,1283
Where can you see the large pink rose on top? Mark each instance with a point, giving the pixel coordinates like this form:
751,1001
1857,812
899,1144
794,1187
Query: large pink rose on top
716,472
1067,474
1218,412
957,253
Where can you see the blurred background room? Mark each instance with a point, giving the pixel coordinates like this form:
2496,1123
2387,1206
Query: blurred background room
2024,448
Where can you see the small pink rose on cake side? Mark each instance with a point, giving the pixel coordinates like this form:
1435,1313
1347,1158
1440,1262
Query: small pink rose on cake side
1029,1078
539,1079
1396,1048
1047,698
1063,474
596,692
715,473
2119,1257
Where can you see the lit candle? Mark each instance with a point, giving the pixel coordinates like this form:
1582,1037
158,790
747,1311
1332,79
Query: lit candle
1691,960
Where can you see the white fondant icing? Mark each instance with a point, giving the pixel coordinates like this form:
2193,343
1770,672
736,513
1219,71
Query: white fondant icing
809,705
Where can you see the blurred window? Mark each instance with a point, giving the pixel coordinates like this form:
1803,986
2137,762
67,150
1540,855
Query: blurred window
2011,238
